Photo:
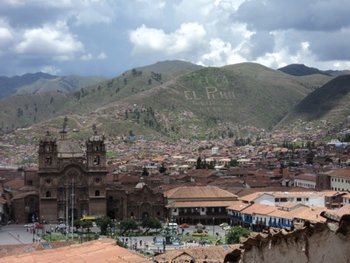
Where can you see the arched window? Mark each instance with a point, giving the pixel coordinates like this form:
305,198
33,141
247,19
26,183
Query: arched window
97,193
48,194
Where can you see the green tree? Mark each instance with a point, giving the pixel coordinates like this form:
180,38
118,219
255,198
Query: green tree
103,223
233,163
162,168
127,225
86,224
232,237
150,223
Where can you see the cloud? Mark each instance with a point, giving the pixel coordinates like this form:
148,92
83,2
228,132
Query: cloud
86,57
79,12
102,55
50,70
185,39
271,15
89,12
50,40
220,53
6,35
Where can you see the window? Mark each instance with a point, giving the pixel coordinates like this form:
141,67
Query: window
202,209
29,182
48,181
97,193
97,180
175,210
48,160
48,194
96,160
298,199
306,199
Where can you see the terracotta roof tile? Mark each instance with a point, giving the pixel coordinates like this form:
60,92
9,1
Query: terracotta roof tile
343,172
200,204
259,209
94,251
198,192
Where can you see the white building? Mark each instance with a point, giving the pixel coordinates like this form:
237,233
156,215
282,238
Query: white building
340,179
305,181
279,198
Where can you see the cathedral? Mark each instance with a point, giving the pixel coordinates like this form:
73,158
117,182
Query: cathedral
71,182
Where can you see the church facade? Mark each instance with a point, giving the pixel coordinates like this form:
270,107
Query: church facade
71,182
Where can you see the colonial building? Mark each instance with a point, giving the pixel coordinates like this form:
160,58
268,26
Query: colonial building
194,204
340,179
72,183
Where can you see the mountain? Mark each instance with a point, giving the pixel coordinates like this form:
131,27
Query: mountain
10,85
65,84
243,94
42,82
301,70
329,102
170,99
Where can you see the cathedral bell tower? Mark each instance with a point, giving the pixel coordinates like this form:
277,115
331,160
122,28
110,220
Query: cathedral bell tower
96,152
48,155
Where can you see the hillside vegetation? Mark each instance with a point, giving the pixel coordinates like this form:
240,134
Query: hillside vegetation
329,102
172,99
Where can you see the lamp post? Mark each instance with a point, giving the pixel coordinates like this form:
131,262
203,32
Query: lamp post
33,220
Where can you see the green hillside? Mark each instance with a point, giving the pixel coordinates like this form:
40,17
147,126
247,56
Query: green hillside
329,103
245,94
170,99
65,84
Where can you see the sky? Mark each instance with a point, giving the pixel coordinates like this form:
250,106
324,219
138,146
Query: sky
108,37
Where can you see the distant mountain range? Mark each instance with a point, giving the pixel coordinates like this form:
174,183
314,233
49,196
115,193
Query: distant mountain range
42,82
303,70
171,99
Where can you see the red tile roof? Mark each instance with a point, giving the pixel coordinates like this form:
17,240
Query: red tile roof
94,251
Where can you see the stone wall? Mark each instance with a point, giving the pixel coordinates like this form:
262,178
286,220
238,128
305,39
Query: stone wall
329,242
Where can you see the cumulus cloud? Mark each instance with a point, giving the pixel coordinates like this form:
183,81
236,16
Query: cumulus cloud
210,32
6,35
220,53
49,69
185,39
50,40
